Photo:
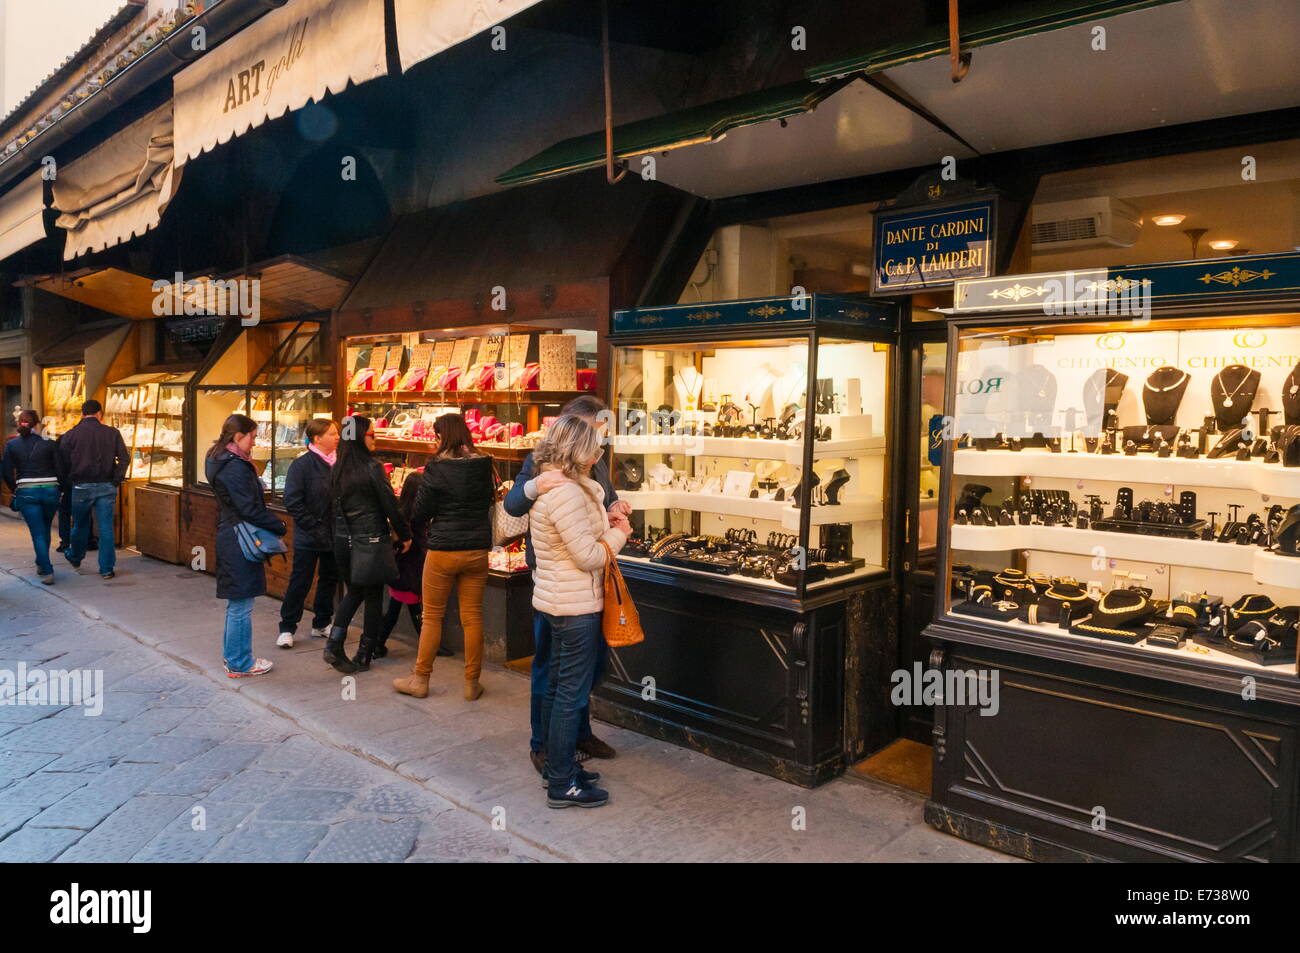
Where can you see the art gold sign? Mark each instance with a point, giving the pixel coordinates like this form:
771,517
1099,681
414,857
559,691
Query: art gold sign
1110,342
246,84
1250,339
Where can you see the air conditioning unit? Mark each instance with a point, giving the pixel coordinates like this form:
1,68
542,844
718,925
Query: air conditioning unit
1084,223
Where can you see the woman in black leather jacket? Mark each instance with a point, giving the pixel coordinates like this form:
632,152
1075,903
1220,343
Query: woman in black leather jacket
364,505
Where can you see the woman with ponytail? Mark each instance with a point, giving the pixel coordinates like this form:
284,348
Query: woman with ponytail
230,471
31,472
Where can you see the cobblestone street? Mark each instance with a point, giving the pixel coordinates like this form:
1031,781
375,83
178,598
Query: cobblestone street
185,765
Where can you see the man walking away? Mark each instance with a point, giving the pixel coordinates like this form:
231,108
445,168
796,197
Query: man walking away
93,460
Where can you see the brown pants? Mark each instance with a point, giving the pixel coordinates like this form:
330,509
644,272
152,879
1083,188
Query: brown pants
466,570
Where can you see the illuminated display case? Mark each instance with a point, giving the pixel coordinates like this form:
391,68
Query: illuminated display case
148,410
1136,486
276,373
754,441
1120,556
762,462
65,392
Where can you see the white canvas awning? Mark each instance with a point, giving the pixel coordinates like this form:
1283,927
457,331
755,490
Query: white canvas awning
20,215
427,27
120,188
288,58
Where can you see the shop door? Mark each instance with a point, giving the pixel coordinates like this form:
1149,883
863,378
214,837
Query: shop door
925,350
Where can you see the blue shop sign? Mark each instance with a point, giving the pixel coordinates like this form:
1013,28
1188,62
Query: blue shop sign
921,248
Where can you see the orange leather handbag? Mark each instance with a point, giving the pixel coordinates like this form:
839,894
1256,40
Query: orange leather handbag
621,623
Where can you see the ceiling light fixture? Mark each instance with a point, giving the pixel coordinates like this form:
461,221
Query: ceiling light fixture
1223,244
1171,219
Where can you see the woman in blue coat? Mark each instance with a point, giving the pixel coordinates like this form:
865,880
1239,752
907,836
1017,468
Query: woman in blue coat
230,471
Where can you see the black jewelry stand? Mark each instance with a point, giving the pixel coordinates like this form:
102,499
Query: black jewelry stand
1291,397
1233,394
1101,395
1163,394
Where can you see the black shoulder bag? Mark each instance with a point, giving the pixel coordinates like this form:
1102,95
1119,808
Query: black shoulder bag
373,562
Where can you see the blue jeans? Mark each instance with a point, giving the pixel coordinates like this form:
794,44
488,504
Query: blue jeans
39,504
237,642
575,642
540,671
99,497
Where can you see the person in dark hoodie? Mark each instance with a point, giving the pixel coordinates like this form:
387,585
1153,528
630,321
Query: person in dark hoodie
455,499
364,506
31,472
230,471
93,461
307,498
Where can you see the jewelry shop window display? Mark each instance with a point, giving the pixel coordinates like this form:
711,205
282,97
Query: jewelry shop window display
508,381
277,374
148,409
65,392
710,452
1132,485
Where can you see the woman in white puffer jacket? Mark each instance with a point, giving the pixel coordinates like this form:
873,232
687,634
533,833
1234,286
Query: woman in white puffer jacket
568,525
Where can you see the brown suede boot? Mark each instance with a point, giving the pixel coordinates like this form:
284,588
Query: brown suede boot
472,689
417,686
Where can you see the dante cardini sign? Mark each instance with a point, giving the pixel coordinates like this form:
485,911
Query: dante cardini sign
919,248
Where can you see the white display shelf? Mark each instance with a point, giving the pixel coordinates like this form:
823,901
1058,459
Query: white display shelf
1271,479
787,451
1264,566
852,510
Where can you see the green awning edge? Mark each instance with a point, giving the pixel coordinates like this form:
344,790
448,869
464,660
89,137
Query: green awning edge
1026,19
698,124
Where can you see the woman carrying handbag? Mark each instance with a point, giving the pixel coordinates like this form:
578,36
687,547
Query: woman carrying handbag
366,520
573,537
241,499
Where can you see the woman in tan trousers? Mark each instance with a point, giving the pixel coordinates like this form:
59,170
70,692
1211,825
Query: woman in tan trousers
455,498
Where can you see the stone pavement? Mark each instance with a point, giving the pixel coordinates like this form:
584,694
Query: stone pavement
185,764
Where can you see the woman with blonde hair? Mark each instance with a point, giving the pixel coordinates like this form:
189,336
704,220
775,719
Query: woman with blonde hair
568,526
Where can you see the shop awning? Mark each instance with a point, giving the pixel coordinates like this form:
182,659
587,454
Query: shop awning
291,56
789,135
568,230
707,123
20,215
1164,64
120,188
427,27
73,348
1008,23
289,287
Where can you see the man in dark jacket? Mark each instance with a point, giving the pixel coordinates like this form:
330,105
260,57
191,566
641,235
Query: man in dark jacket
307,498
93,460
519,501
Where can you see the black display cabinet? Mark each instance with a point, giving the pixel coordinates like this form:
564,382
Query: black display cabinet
752,439
1120,564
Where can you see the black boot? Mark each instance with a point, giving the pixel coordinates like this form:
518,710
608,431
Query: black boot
381,645
365,652
334,652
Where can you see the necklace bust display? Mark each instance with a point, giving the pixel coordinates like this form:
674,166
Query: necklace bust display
1101,393
1291,397
1037,397
1233,394
1163,393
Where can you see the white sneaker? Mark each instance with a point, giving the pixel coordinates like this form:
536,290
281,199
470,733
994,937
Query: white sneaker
323,633
285,641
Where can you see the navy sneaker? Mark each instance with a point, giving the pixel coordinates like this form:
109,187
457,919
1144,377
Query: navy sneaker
585,778
578,796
